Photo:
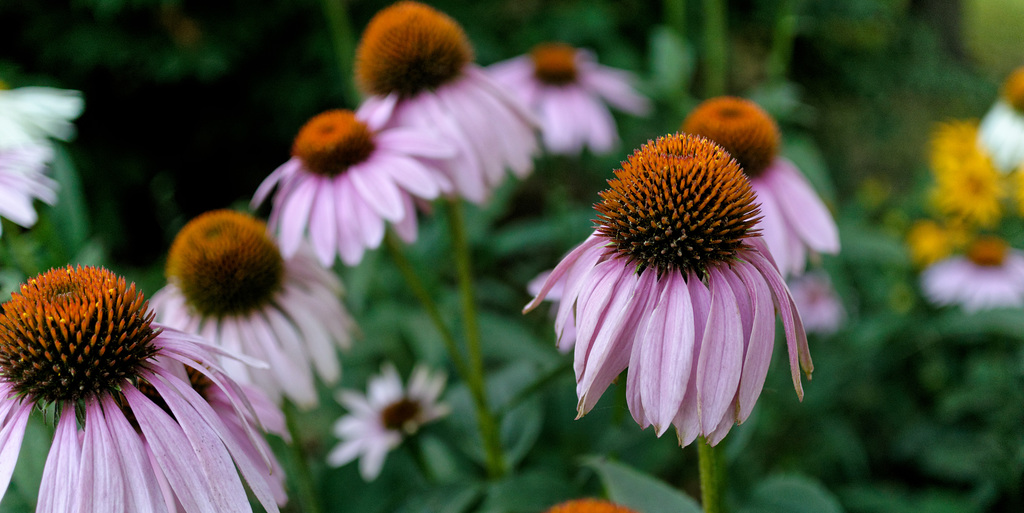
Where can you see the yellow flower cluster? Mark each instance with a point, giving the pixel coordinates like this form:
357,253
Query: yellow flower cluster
968,195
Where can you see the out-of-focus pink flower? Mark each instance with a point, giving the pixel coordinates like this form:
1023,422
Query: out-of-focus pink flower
378,421
990,275
795,221
675,285
567,90
227,281
820,307
415,64
347,177
22,180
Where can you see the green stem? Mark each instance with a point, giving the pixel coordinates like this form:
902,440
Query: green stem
675,16
782,41
304,481
710,477
344,45
420,291
716,45
485,418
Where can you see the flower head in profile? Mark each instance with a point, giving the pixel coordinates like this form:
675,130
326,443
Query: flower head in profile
989,275
348,177
567,90
820,307
968,188
228,282
22,180
416,65
33,115
675,284
795,220
378,421
132,433
1001,132
588,506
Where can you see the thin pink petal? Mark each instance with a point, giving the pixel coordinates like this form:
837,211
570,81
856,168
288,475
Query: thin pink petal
721,353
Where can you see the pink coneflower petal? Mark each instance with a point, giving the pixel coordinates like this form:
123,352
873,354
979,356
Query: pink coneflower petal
664,366
60,474
295,215
808,216
141,484
14,416
687,421
761,340
774,228
616,87
323,228
721,353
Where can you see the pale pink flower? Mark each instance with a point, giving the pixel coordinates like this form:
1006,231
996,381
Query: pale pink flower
33,115
415,64
147,439
820,307
990,275
674,285
22,180
349,176
228,283
568,90
795,222
378,421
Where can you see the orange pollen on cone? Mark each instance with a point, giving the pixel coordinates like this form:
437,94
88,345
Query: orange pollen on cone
1013,89
740,126
398,415
333,141
678,203
588,506
554,63
410,47
225,263
72,333
988,251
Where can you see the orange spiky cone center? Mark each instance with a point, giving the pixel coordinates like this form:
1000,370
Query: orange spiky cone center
678,203
988,251
554,63
741,127
333,141
589,506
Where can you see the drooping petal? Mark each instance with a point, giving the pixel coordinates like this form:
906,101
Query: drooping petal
721,354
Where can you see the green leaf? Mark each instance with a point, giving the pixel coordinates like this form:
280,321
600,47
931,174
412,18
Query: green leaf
791,494
673,61
637,490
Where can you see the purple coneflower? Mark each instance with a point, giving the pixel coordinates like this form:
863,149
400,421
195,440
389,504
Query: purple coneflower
567,89
227,281
416,65
990,275
820,308
675,284
380,420
794,218
348,175
132,433
22,180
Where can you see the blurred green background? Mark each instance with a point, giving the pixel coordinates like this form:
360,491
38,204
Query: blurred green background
189,105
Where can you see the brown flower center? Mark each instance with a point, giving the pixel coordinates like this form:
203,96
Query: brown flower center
554,63
72,333
589,506
399,416
225,263
680,202
741,127
988,251
333,141
1013,89
410,47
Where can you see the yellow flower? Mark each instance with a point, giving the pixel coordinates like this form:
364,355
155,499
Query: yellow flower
1017,185
968,188
930,241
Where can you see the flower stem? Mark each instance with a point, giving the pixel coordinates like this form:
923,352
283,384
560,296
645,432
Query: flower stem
716,45
344,45
485,418
710,477
675,16
420,291
304,481
782,41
